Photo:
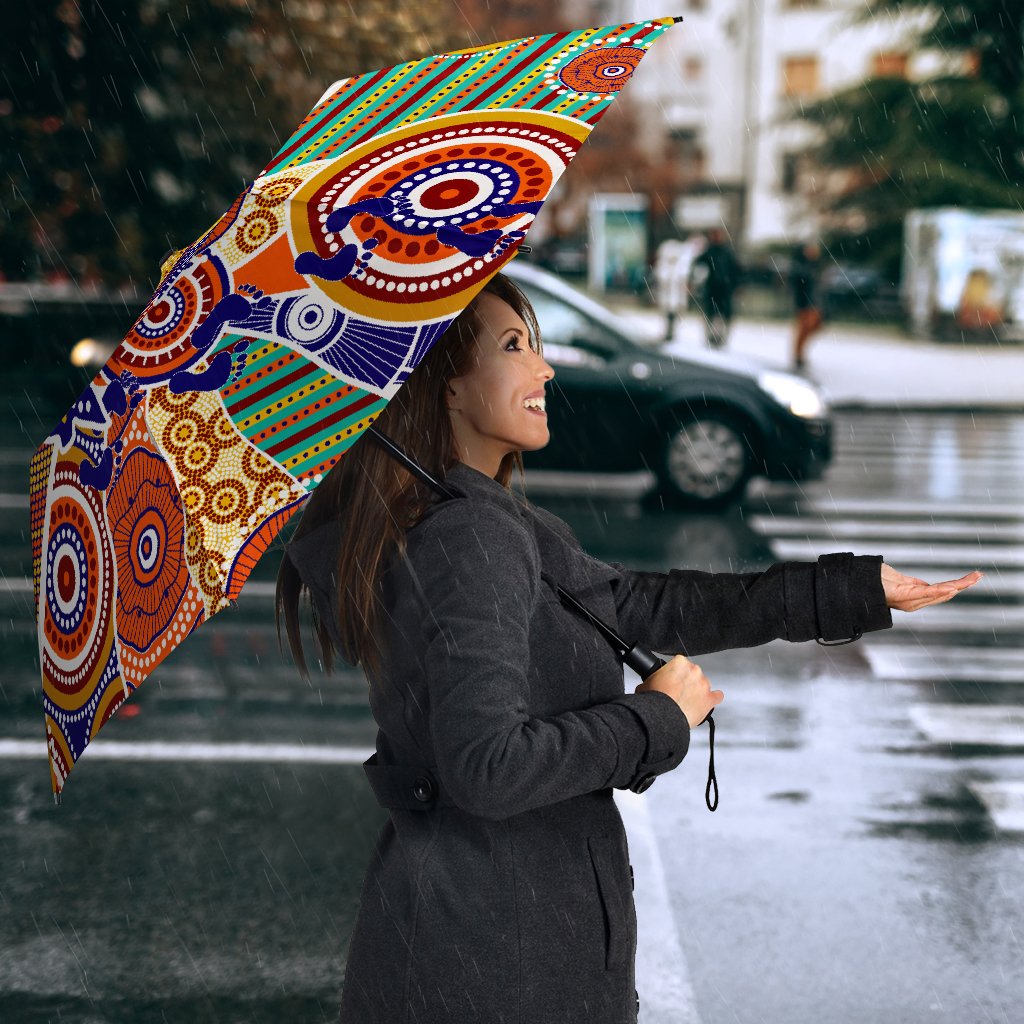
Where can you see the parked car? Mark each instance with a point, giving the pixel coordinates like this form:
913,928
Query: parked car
703,423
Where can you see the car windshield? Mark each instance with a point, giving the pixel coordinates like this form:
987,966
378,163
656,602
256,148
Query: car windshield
564,324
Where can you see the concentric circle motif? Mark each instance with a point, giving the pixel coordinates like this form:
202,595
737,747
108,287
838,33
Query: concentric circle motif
158,345
602,70
309,321
275,192
78,581
259,226
409,206
148,529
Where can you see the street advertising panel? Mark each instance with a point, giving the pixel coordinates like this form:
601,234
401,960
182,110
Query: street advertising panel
618,241
963,276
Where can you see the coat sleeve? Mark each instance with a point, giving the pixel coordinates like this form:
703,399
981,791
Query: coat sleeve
479,578
836,598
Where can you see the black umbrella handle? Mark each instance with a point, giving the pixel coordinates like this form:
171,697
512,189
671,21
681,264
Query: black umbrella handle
645,663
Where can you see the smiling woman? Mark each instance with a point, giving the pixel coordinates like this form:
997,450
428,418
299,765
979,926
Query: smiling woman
500,886
499,407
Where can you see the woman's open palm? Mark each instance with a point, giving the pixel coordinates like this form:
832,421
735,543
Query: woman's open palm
908,593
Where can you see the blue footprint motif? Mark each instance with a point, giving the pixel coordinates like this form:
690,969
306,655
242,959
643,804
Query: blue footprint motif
347,260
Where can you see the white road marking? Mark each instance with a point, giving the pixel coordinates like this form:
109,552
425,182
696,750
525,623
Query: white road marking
115,750
828,506
952,664
907,529
964,617
971,725
1004,802
662,975
971,556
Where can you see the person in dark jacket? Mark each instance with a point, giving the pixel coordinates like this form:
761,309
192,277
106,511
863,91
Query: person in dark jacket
803,281
500,886
721,272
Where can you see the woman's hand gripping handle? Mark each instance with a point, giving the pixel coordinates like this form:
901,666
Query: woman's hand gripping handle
687,685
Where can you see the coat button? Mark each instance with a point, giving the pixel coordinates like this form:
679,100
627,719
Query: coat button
637,994
423,789
643,783
631,885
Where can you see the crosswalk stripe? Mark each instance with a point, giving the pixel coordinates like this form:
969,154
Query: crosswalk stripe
989,725
949,529
113,750
903,507
961,618
970,556
951,664
1004,801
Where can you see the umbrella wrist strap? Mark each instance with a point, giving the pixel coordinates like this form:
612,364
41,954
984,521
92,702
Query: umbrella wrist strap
712,778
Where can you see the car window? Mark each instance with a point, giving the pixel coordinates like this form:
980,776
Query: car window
563,326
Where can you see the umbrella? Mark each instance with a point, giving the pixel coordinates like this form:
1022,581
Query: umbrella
278,336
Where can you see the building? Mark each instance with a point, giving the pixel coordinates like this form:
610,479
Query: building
721,88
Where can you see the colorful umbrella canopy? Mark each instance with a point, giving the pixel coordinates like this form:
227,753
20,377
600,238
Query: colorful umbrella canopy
277,337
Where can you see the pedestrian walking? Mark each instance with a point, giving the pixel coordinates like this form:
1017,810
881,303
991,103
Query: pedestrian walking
803,281
500,887
721,272
672,267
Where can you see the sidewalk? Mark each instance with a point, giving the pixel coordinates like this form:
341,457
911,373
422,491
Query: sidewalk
863,365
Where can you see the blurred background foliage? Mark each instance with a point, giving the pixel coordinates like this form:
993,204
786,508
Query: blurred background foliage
131,125
952,139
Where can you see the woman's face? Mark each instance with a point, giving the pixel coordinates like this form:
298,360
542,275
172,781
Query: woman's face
487,410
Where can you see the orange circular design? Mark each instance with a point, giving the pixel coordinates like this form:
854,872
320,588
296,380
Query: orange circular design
225,502
270,496
198,459
277,191
76,591
182,431
258,227
255,464
464,169
192,498
147,527
603,70
224,433
158,344
194,540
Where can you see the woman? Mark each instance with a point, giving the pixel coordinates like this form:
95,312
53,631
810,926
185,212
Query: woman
500,886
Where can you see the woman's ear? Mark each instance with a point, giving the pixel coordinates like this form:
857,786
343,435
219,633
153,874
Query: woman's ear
452,398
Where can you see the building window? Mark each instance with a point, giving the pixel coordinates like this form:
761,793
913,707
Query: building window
790,173
889,64
693,69
686,151
800,76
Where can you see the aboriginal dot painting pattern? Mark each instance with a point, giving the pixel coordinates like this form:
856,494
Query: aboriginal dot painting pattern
278,336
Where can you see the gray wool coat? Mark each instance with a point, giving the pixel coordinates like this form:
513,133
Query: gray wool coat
500,888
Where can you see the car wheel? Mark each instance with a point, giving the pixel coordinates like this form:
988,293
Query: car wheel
705,461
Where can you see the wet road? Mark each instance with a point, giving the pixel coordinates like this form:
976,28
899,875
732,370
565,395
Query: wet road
863,865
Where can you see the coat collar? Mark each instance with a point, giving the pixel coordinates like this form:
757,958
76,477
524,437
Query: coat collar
474,484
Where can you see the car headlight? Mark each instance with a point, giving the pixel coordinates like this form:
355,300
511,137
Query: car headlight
799,397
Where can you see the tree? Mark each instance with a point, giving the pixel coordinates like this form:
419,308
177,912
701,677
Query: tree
955,138
131,125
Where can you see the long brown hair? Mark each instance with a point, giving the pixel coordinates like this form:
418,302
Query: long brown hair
374,499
